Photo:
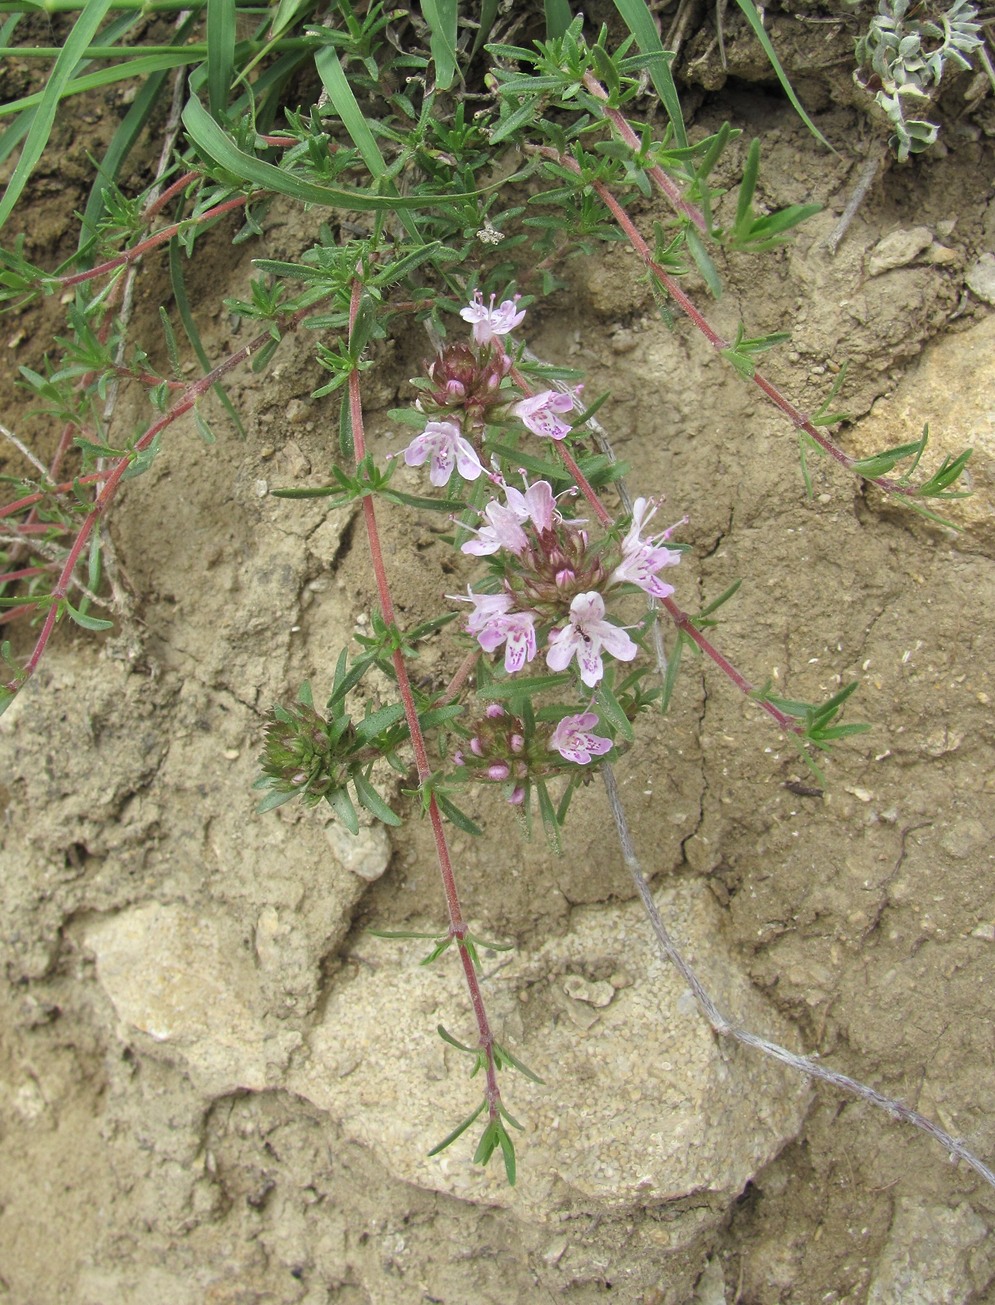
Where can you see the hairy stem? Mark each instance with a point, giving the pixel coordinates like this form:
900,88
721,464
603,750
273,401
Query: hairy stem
457,925
687,306
110,482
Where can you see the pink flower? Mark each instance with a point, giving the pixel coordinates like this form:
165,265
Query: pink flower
642,558
536,504
485,608
491,322
504,528
539,413
573,741
443,442
517,631
502,531
585,636
494,624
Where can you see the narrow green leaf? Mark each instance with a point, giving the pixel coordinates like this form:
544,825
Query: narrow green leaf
378,721
748,185
217,146
703,261
347,446
446,1036
37,138
456,817
342,99
373,802
272,800
755,21
450,1138
508,1151
441,17
147,97
340,802
673,666
203,429
220,54
558,17
505,1055
637,17
611,711
81,619
170,334
722,599
488,13
177,282
93,81
548,813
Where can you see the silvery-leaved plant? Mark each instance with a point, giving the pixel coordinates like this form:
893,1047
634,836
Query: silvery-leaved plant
901,58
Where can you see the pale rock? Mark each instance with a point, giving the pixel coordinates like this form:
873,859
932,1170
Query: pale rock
898,249
980,278
952,387
595,993
645,1107
942,255
324,542
933,1256
710,1288
182,980
366,854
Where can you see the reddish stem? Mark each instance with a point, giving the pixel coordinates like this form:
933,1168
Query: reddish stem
12,613
23,573
457,926
152,242
111,480
169,193
657,174
669,283
684,623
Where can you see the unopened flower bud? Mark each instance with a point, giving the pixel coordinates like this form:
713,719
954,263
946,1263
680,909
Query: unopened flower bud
499,770
476,747
517,796
517,743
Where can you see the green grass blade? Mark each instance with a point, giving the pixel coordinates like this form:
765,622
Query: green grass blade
753,18
558,17
343,101
488,13
141,67
182,301
220,53
40,130
215,145
638,19
15,133
287,12
441,18
124,139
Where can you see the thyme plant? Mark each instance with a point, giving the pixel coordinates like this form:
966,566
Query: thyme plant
571,629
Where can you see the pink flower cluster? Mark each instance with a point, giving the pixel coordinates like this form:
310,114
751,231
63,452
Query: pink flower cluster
443,443
523,527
